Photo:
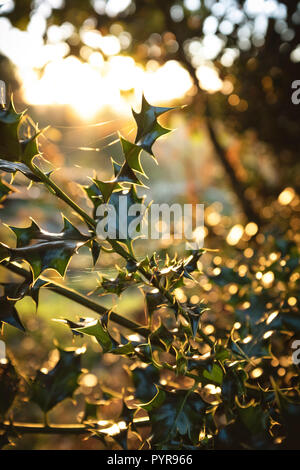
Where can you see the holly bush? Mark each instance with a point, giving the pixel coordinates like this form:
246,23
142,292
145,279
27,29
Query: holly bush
190,385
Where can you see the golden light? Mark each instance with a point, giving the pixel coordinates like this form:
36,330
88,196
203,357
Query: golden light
248,252
213,390
90,86
272,317
213,218
89,380
268,334
256,373
235,235
286,196
292,301
209,329
209,79
268,279
251,229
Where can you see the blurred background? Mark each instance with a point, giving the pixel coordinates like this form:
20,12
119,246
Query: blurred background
80,66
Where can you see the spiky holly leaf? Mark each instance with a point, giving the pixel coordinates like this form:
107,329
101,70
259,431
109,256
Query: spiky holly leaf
144,379
153,300
181,362
49,389
95,196
124,226
9,384
10,122
48,255
106,188
175,414
30,146
100,332
95,250
34,232
5,190
228,276
116,167
127,175
132,153
148,128
13,167
214,374
162,336
115,286
8,311
190,263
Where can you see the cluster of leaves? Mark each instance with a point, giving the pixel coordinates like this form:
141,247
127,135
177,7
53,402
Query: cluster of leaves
210,399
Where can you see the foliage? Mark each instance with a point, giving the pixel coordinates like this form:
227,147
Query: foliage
191,389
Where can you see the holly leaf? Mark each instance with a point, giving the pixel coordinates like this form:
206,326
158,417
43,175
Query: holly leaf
13,167
115,286
162,336
46,255
228,276
5,190
148,128
100,332
34,232
132,153
52,387
9,385
8,311
175,414
10,122
144,379
125,228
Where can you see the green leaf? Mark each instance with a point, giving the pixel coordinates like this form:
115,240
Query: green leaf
214,375
106,188
46,255
34,232
132,153
9,385
117,285
162,335
144,379
8,311
228,276
13,167
100,332
49,389
148,129
5,190
253,417
122,201
175,414
10,122
181,362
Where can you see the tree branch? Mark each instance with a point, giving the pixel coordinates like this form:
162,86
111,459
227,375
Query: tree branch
80,299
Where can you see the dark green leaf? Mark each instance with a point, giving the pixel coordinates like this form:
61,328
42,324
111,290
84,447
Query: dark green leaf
49,389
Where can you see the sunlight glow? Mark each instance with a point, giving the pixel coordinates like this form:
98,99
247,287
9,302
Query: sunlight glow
89,87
